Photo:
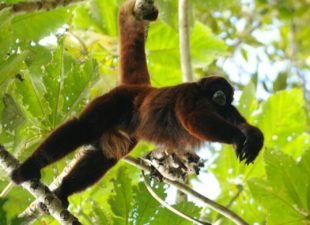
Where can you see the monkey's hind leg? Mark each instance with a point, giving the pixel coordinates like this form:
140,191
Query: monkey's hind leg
92,166
87,171
59,143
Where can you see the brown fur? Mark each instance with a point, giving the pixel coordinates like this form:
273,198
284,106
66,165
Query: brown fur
133,68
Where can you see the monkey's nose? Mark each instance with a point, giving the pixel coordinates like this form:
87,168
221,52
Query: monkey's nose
219,98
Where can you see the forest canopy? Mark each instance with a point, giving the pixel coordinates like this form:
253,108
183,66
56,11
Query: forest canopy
56,58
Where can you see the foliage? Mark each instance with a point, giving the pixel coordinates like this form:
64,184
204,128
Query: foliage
52,63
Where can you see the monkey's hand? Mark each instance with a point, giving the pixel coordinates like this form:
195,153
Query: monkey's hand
248,149
26,171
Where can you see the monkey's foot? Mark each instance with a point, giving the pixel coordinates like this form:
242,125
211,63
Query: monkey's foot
192,162
172,166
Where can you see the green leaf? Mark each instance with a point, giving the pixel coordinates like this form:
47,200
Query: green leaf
286,177
163,55
304,164
281,82
168,12
244,54
2,212
170,218
100,15
248,103
205,47
42,24
12,117
102,217
6,37
276,121
270,200
10,67
146,207
121,200
286,189
296,146
59,83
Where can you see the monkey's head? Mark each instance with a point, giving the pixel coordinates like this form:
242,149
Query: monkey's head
217,89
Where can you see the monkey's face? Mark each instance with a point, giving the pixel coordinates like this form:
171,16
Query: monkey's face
219,98
218,90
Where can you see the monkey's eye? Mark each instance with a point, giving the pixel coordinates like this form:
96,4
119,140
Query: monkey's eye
219,98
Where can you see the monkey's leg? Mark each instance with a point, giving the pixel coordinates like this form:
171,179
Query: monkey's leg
88,170
98,117
59,143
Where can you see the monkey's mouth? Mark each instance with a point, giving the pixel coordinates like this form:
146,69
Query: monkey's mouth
219,98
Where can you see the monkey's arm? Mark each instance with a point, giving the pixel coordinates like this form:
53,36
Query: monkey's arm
254,136
207,125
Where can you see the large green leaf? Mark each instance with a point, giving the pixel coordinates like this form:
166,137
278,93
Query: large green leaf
171,218
121,201
282,117
57,85
168,12
10,67
100,15
2,212
12,117
146,207
298,145
6,37
42,24
163,55
248,102
286,189
205,47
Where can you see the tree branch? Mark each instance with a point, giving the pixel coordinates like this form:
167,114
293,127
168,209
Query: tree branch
41,192
139,163
169,207
44,5
184,36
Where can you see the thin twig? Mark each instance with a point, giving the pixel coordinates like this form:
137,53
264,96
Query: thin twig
229,204
169,207
139,163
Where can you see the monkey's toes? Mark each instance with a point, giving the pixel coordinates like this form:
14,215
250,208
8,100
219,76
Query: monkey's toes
21,175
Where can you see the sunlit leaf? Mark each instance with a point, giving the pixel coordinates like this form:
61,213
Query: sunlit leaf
205,47
276,121
286,188
121,200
